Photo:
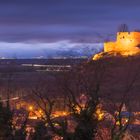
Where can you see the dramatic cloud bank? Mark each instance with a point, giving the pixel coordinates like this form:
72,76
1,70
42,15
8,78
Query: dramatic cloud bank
33,28
55,49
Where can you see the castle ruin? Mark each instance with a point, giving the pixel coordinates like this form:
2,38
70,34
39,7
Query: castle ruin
126,44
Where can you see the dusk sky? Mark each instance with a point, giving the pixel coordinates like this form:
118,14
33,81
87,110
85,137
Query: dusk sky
53,20
43,21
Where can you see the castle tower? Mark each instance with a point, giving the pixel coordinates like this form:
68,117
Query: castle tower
126,44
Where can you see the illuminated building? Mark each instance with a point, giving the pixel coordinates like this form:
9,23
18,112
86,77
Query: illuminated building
126,44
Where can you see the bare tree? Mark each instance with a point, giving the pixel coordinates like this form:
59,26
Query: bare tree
84,89
47,105
123,28
86,81
115,103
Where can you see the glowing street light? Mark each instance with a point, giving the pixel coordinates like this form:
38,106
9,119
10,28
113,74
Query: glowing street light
31,108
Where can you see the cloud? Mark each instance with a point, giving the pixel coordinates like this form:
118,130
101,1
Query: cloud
54,20
55,49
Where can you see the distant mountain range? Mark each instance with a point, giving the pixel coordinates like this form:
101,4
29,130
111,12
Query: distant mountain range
49,50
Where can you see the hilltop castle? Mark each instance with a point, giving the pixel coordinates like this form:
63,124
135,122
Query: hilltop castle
126,44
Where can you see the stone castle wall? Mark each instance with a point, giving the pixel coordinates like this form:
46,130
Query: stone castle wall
126,43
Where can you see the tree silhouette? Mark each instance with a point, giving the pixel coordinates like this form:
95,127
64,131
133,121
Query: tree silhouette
123,28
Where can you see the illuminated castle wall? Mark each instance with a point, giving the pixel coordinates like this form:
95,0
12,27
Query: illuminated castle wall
127,43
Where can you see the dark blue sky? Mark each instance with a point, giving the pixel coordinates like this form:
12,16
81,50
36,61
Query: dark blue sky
57,20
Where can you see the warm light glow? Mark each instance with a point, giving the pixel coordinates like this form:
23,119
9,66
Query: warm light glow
64,113
33,117
125,45
117,123
57,138
78,109
126,120
60,113
31,108
100,114
40,111
123,121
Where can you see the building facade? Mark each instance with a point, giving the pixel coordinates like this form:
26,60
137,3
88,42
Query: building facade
126,44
